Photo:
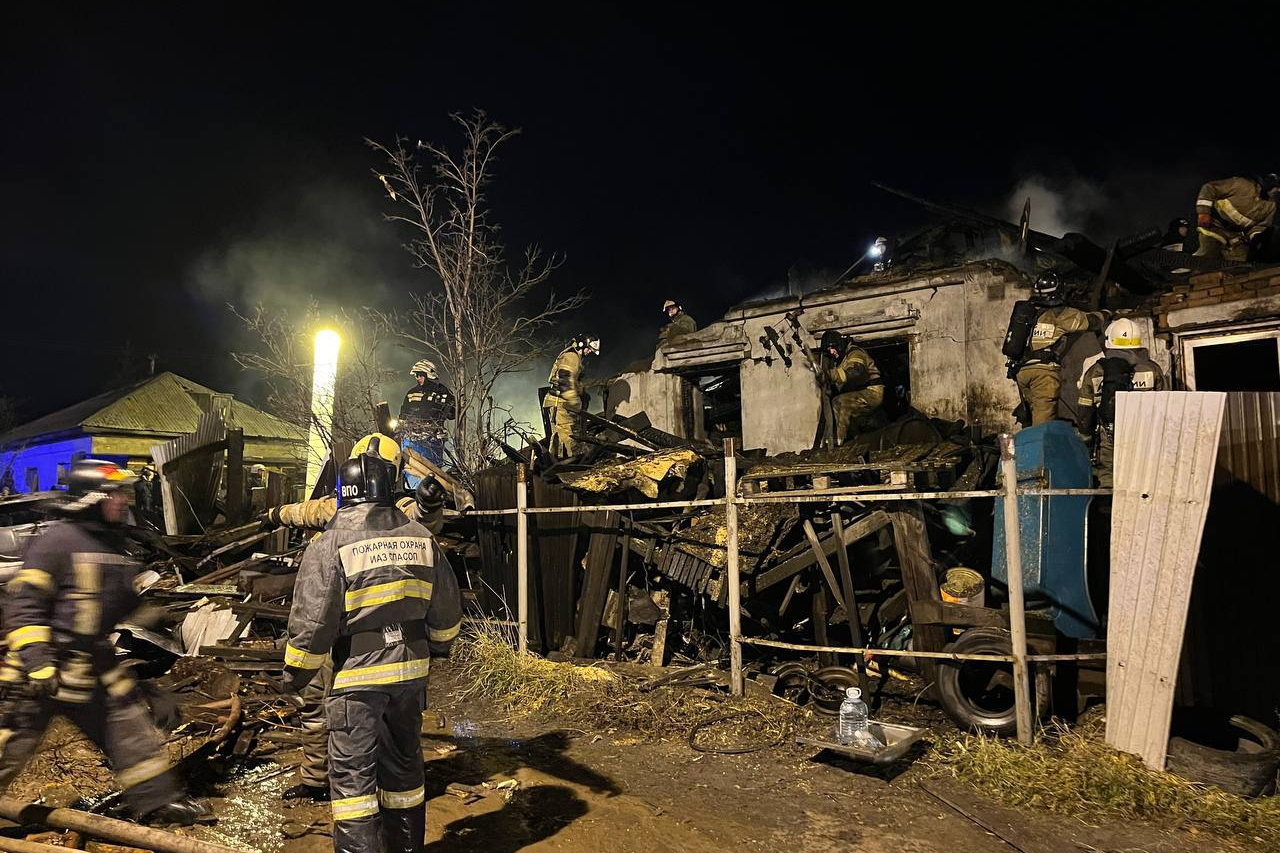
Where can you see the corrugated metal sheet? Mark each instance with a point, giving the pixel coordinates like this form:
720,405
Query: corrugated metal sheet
1231,656
166,406
189,490
1166,448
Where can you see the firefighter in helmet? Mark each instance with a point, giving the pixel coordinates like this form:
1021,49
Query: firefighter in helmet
377,596
854,382
426,408
426,507
60,609
1039,327
565,400
1232,212
1125,366
678,323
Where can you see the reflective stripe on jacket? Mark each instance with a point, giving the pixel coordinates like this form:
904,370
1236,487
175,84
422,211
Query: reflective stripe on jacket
373,573
1237,203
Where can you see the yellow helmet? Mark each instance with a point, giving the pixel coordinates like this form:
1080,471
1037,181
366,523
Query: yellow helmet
669,304
386,447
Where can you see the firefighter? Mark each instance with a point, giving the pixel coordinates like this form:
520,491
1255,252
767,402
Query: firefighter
142,507
425,507
678,323
1125,366
1232,212
854,383
76,583
375,594
1177,236
1037,333
564,401
426,408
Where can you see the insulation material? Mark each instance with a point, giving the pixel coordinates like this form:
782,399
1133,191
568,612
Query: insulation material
644,474
1165,452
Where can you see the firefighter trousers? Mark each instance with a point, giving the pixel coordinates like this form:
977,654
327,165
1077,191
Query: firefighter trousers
848,409
1104,459
563,417
314,767
1040,385
375,769
124,732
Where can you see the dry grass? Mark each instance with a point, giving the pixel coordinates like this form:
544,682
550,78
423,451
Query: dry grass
595,697
1074,772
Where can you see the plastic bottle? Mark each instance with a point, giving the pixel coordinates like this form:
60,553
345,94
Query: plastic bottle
852,728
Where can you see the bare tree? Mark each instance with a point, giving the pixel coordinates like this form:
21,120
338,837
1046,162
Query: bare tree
284,356
486,318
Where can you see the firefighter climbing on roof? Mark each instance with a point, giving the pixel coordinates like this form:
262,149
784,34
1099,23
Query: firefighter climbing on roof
564,401
1037,334
76,584
1125,366
854,382
425,507
426,408
1233,212
678,323
375,594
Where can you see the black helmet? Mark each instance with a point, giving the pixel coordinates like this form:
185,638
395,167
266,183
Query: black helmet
86,476
831,339
90,481
1048,285
367,478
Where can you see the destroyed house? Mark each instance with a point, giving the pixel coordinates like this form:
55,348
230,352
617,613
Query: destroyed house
124,424
936,335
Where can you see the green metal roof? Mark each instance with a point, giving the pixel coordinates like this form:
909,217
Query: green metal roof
164,404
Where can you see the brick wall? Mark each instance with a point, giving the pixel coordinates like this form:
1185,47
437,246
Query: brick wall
1215,288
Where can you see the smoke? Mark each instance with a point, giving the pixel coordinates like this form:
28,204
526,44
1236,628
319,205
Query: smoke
327,243
1058,205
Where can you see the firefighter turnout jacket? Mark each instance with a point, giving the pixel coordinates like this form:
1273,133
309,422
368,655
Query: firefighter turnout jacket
1237,210
376,592
681,324
1102,380
856,371
1052,325
316,514
565,380
430,403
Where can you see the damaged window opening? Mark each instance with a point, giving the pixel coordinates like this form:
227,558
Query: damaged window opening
1240,361
716,397
893,357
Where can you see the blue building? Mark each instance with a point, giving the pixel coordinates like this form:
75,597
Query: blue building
123,425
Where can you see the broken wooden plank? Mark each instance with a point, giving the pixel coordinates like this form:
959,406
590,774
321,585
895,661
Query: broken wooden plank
802,557
595,586
853,617
915,557
237,498
821,557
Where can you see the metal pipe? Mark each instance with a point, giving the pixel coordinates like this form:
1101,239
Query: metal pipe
522,556
904,653
97,826
1017,606
736,683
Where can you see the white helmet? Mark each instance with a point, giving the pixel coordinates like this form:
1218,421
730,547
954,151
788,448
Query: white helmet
427,368
1123,334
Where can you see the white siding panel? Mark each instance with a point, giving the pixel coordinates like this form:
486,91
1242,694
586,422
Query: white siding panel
1166,448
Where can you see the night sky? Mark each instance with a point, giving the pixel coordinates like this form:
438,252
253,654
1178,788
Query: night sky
156,165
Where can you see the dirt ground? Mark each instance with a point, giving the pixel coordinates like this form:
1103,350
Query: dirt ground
589,791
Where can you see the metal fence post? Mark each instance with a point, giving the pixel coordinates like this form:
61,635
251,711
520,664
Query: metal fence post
522,557
1017,607
735,574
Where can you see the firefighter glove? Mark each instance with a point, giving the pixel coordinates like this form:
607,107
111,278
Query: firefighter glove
429,494
1203,218
44,681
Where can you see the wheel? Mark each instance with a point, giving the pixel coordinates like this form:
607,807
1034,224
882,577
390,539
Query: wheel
978,695
828,688
1239,755
792,683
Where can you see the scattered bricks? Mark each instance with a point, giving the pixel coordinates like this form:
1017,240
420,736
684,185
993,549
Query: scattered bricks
1206,279
1182,288
1213,291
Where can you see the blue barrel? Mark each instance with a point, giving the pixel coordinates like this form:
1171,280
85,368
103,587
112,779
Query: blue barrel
1052,528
